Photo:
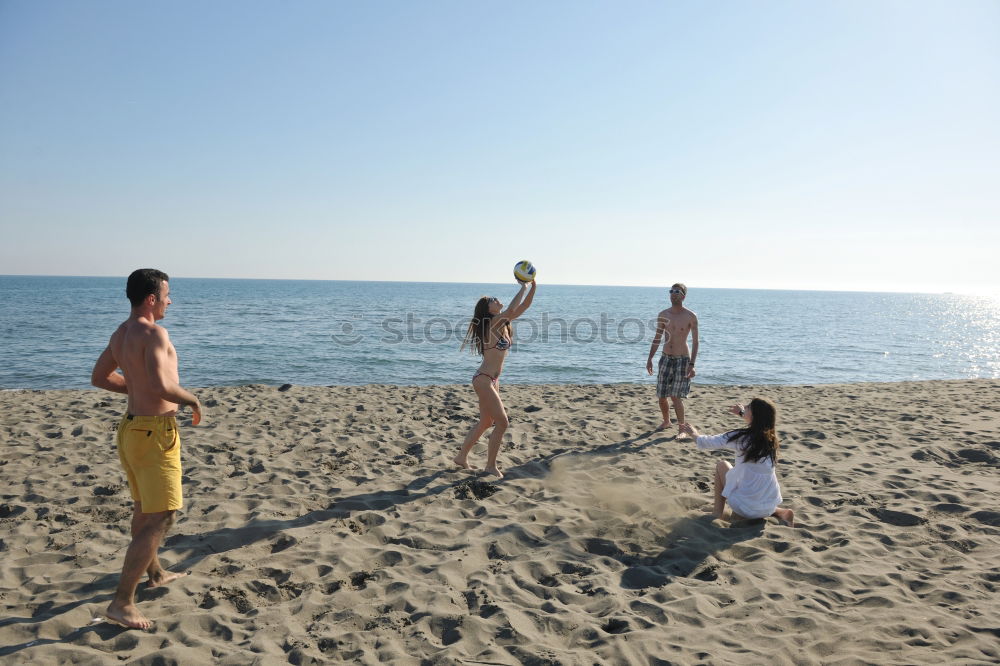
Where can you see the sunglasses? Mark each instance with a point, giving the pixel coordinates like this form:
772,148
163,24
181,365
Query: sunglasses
676,291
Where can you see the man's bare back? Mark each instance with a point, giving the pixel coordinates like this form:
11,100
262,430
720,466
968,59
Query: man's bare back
130,345
148,361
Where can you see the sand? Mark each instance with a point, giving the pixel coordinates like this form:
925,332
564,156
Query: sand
326,525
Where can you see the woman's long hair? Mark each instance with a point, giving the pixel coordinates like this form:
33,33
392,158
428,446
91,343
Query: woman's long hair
478,331
759,439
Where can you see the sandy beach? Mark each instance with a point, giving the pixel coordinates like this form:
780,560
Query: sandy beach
326,525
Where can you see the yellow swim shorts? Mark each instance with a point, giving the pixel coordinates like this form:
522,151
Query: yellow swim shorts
149,448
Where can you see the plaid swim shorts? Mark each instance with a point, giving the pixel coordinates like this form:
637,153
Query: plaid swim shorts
672,379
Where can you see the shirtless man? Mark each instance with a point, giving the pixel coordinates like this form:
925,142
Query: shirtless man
148,442
676,364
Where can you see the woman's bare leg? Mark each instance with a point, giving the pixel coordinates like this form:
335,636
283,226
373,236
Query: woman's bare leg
721,469
485,421
494,407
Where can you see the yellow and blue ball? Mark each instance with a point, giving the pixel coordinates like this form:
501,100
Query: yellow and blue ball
524,271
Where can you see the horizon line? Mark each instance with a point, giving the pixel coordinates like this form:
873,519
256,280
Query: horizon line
555,284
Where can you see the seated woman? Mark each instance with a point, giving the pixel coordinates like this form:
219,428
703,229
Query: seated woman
751,486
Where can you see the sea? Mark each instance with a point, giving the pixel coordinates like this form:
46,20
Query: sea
325,333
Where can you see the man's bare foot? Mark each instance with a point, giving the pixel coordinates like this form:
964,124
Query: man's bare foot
462,462
495,471
787,516
128,616
164,577
681,432
663,426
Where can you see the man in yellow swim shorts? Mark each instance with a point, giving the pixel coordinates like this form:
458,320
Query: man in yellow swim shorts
149,445
149,448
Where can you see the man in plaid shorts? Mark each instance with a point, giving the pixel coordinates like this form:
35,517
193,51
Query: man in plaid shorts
676,368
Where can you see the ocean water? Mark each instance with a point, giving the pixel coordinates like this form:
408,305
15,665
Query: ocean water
231,332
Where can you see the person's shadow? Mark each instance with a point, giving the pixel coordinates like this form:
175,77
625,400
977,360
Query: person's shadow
687,546
105,631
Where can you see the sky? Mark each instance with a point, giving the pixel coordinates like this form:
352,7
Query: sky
840,145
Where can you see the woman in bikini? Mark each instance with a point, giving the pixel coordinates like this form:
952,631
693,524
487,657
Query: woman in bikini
490,335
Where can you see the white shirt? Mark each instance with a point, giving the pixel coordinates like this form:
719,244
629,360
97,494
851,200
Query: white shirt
751,487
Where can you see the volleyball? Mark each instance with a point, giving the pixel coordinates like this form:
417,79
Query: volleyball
524,271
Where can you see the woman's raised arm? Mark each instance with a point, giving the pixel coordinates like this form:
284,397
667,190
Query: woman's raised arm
520,303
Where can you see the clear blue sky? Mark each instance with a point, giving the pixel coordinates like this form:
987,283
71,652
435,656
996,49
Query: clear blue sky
778,144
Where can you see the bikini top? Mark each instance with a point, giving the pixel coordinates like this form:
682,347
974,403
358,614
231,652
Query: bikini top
503,344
